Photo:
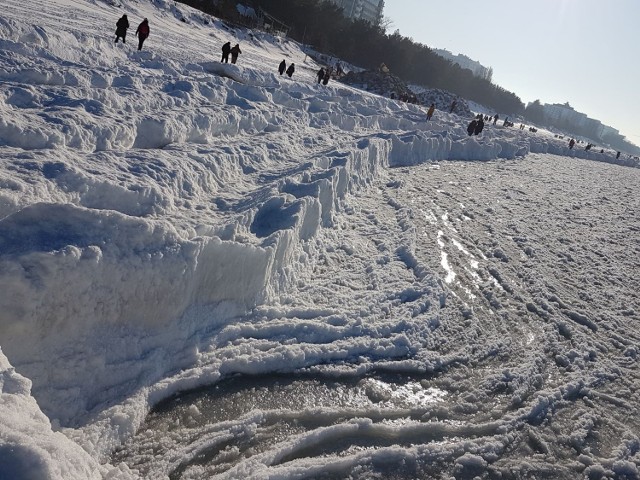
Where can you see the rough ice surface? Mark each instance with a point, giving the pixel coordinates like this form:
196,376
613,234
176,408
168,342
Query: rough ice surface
168,222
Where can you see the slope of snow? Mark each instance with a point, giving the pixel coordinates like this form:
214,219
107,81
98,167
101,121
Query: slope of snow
161,214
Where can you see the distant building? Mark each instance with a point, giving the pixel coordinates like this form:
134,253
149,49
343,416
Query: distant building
608,131
564,114
463,61
565,117
367,10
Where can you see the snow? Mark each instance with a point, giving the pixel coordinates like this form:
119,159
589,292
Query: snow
168,222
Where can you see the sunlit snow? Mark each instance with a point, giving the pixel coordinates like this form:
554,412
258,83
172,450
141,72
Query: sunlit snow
213,271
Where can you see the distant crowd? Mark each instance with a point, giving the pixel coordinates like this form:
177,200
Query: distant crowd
142,32
323,76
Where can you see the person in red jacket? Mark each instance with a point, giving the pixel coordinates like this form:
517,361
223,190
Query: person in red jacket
142,32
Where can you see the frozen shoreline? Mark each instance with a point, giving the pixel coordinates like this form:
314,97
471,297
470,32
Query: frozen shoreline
150,200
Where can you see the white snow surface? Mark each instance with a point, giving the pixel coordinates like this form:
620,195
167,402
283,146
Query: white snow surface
167,221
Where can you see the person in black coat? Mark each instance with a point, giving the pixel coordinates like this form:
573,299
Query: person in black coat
479,126
121,28
327,76
471,128
235,51
290,70
282,66
226,49
320,74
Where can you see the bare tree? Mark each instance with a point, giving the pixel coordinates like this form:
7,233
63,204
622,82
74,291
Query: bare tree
386,23
489,76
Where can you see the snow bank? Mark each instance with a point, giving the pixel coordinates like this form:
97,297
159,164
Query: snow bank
149,199
29,448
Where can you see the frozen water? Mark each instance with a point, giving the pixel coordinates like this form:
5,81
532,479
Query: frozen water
508,379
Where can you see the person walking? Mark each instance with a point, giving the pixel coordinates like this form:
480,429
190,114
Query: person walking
432,109
327,75
320,74
471,128
226,49
142,32
235,51
572,142
121,28
282,67
479,126
290,70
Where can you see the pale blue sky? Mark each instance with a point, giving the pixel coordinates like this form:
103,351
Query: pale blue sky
584,52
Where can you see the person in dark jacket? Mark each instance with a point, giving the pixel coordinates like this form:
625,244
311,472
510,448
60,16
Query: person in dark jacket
327,75
290,70
479,126
471,128
235,51
453,106
572,142
121,28
226,49
282,67
142,32
320,74
495,118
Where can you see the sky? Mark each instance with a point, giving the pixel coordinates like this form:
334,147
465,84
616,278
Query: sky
584,52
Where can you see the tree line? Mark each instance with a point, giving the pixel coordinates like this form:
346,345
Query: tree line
322,25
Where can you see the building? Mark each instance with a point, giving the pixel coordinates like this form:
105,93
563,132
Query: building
463,61
608,131
568,119
563,114
368,10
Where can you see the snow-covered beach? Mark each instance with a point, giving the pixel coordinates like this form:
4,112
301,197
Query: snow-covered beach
169,223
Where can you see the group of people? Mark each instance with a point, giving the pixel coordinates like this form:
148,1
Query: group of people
142,32
406,97
589,146
324,74
476,126
228,49
283,68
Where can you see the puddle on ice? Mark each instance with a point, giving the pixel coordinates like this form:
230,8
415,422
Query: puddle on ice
444,259
207,432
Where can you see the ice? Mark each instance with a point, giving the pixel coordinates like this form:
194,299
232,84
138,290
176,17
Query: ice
168,222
